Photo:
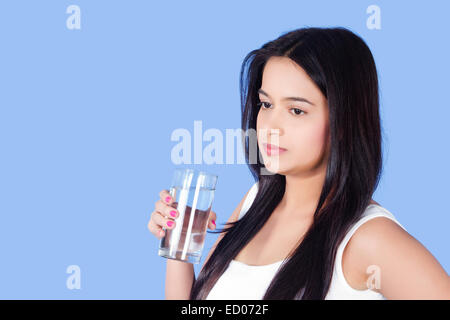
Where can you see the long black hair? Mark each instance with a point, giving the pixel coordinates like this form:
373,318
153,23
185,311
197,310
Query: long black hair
342,66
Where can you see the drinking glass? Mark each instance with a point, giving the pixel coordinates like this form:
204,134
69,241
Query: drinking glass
193,194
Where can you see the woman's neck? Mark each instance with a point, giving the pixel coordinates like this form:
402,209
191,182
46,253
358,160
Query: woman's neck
302,195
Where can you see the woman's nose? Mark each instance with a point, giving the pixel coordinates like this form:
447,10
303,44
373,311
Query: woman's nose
270,133
275,125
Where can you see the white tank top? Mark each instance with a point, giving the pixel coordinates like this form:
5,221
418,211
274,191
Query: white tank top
248,282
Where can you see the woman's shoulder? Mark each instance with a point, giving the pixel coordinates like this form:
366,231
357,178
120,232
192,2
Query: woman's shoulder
405,267
373,228
371,242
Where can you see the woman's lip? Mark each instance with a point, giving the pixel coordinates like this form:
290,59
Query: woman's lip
272,149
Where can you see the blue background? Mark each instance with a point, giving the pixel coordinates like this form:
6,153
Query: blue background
86,118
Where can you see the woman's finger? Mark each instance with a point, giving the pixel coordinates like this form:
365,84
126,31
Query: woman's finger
212,220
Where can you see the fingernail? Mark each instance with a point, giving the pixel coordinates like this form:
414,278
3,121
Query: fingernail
173,213
214,223
170,223
168,199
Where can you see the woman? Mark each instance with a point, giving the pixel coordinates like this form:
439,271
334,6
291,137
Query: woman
308,228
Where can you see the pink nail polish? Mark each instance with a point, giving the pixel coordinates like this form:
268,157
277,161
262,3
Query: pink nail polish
214,223
173,213
170,223
168,199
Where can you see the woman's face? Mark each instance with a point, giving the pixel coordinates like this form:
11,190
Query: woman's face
303,127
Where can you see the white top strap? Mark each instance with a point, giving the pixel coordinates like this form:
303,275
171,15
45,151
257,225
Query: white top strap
249,200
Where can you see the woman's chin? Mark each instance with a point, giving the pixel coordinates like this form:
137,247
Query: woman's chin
271,167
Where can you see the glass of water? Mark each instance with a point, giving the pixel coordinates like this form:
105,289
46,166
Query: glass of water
193,193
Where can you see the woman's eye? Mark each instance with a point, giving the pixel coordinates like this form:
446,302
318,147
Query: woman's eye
298,111
264,105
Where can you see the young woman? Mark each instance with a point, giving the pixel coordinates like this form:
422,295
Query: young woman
310,230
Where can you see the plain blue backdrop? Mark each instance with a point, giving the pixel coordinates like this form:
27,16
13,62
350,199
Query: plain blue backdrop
86,118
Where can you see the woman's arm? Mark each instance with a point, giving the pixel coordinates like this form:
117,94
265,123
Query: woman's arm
406,269
179,278
180,275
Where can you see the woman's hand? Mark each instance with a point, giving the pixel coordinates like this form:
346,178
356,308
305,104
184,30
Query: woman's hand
165,214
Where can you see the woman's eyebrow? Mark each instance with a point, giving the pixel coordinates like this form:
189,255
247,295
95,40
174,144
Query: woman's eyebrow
288,98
